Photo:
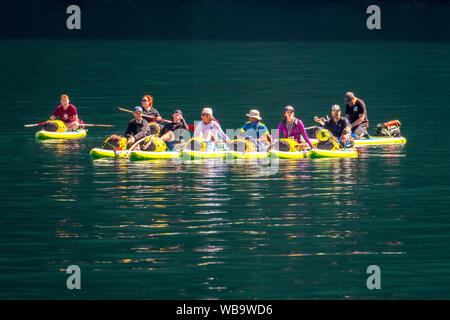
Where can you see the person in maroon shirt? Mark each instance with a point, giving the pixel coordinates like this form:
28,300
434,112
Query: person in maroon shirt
68,114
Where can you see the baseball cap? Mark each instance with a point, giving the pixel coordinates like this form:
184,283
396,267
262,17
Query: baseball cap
349,96
178,112
137,108
335,107
208,111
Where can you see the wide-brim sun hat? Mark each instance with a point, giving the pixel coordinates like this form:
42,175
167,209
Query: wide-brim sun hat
254,114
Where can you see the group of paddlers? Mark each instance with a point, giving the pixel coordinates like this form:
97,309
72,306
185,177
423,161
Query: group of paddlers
146,117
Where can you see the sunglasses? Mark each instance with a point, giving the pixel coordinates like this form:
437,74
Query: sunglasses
205,114
145,100
289,111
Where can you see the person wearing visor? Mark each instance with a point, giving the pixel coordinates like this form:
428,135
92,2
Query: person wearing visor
339,126
208,129
256,130
148,109
291,127
356,113
138,127
170,133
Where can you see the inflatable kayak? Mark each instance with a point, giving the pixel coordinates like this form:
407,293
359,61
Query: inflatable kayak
319,153
77,134
204,154
98,153
289,155
373,141
148,155
380,141
247,155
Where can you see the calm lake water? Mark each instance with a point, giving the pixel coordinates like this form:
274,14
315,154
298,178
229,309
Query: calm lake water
215,230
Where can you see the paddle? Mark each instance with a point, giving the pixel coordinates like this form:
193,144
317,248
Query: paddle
85,124
33,125
153,118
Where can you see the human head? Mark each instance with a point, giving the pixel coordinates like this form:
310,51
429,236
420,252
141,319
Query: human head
64,100
336,112
207,115
289,113
147,102
254,116
177,115
137,113
350,99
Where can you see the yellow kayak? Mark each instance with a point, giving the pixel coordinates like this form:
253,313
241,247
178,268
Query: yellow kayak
319,153
289,155
98,153
204,154
148,155
373,141
77,134
247,155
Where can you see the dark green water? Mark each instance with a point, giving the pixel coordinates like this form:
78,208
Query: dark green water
208,229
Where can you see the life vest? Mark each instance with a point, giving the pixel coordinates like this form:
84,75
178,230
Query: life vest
115,142
54,126
242,145
153,144
195,144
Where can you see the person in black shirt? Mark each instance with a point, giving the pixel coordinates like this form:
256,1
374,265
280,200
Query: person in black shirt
167,133
148,110
137,128
339,126
356,113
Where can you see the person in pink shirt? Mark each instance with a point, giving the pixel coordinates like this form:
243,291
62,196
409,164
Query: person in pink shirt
68,114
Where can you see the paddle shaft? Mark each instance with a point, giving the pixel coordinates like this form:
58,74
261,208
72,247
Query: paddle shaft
192,128
85,124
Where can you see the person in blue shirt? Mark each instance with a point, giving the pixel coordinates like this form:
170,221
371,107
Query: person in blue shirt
255,131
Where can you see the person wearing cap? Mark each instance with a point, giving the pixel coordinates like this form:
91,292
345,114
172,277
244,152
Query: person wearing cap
339,126
148,110
291,127
255,130
167,133
356,113
208,128
138,127
67,113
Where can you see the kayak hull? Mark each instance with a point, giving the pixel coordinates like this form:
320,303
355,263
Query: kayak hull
204,155
373,141
147,155
45,135
380,141
318,153
289,155
248,155
98,153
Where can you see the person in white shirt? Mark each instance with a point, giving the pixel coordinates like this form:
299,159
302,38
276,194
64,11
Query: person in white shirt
209,129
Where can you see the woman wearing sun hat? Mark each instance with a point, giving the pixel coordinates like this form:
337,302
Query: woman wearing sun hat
291,127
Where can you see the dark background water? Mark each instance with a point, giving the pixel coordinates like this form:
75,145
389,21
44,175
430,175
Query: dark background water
207,229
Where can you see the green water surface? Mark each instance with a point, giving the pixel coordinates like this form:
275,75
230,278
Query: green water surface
215,230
